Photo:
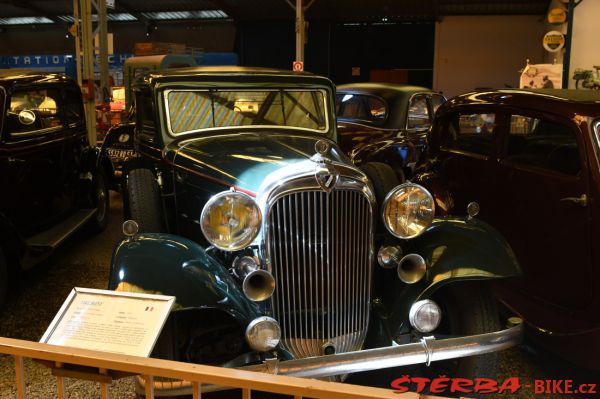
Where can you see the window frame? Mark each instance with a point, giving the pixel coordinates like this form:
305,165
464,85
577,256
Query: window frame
499,121
565,122
164,96
364,96
15,137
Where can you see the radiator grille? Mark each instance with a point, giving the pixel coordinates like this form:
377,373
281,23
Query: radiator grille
319,249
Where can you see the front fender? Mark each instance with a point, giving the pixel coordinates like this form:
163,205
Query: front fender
173,265
455,249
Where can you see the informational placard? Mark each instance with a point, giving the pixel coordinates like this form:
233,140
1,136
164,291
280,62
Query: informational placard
109,321
541,76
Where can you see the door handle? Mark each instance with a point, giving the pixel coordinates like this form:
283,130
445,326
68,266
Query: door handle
583,200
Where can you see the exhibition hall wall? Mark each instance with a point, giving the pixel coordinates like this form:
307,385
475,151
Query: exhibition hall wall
585,46
485,51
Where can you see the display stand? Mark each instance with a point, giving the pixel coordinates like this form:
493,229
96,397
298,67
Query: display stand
110,321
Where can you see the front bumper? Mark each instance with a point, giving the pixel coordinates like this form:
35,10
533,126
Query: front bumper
424,352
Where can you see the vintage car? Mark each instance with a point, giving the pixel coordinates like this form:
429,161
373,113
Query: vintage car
530,159
270,238
384,122
118,142
52,181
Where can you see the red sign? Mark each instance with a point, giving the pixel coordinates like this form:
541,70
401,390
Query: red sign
298,66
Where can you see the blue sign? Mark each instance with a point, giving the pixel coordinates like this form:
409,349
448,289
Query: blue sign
55,61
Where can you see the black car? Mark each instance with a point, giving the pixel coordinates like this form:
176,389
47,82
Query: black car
53,182
385,122
278,247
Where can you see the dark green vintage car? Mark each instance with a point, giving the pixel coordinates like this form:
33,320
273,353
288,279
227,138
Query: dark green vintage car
284,256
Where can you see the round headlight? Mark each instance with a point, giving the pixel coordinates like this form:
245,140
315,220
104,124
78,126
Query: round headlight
408,210
263,334
230,220
425,315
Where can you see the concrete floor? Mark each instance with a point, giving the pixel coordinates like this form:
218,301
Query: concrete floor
84,261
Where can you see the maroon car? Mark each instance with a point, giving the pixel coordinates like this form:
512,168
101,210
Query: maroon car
383,122
531,160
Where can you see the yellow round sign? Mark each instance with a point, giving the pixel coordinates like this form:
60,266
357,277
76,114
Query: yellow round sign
554,41
557,16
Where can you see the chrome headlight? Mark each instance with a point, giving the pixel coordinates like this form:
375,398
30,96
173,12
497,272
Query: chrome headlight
263,334
230,220
408,210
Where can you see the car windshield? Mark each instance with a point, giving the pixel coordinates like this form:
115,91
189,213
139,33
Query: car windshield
195,110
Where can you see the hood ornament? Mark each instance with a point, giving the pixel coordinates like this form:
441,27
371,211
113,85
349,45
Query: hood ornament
327,179
322,148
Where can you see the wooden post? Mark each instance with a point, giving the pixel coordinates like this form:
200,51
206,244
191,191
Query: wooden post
197,394
149,388
20,377
104,394
246,393
60,387
299,31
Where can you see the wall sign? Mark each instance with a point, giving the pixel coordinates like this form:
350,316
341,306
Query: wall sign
298,66
554,41
557,16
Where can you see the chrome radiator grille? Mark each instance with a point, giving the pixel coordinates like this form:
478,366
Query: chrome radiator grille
319,250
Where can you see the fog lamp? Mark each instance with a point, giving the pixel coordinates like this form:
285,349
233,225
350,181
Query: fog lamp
263,334
425,315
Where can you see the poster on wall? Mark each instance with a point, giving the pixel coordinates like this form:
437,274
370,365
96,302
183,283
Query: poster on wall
541,76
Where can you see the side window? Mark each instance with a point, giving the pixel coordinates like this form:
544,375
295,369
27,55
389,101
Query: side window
366,108
418,113
543,144
33,110
472,133
74,106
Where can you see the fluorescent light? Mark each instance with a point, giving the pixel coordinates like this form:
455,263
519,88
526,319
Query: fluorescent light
25,21
170,15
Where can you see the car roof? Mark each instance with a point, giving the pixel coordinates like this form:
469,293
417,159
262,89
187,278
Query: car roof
385,90
228,71
558,101
17,77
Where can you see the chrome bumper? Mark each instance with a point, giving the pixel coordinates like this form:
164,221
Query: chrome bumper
424,352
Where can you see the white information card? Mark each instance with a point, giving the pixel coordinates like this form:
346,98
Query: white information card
109,321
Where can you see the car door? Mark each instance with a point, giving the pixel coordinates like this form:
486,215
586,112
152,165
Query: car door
544,185
32,141
468,143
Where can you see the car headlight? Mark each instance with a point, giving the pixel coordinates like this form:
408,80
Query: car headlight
408,210
230,220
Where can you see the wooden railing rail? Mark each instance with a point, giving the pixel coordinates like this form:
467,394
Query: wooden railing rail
103,366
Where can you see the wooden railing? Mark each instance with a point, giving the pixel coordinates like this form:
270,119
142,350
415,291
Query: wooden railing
103,367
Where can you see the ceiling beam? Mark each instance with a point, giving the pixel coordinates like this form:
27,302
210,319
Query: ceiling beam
123,5
35,9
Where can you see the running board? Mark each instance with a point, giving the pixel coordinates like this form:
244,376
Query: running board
50,239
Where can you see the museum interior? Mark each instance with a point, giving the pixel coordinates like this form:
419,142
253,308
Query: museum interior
299,198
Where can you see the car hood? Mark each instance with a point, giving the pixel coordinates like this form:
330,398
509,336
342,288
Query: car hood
243,160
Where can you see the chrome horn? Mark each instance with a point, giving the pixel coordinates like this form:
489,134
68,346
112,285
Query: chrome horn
258,285
411,268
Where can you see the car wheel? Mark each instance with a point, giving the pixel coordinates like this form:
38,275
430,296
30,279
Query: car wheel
143,201
382,177
102,203
468,308
3,279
